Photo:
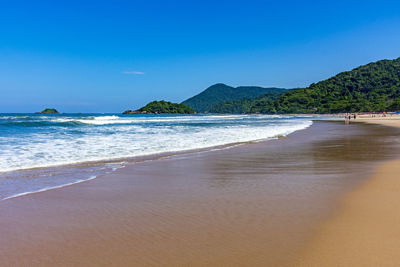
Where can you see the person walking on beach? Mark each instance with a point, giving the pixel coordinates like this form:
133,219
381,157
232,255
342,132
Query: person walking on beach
347,119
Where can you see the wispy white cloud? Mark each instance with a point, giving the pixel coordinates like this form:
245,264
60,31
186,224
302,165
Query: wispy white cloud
134,72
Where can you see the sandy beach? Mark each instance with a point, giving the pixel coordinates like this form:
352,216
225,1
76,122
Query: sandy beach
390,120
380,119
200,133
365,230
256,204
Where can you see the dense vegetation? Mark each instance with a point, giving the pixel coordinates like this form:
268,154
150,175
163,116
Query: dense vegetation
219,93
50,110
160,107
373,87
247,105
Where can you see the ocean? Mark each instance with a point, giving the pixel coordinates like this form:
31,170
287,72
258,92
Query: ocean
39,152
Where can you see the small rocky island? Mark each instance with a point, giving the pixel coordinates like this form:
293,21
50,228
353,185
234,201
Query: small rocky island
49,111
162,107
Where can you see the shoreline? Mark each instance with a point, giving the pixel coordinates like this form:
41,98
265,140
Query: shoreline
135,155
148,157
120,163
364,231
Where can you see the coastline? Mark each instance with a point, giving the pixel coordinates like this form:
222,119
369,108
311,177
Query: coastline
44,152
365,229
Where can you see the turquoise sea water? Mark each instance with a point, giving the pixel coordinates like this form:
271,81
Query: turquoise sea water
40,151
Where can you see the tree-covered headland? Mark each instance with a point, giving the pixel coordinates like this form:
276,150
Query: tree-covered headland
162,107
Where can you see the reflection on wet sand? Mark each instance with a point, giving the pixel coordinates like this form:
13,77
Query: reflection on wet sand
254,204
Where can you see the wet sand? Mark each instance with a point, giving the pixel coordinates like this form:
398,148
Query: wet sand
365,231
251,205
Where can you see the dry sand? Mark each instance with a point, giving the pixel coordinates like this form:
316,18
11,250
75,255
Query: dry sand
381,119
389,120
366,229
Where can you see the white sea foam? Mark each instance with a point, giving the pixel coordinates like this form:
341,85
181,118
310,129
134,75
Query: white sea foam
30,146
113,137
104,120
48,188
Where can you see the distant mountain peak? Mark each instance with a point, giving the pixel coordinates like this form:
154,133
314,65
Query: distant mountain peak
220,92
220,84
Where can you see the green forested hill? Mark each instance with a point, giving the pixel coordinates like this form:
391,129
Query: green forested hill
49,111
371,87
374,87
219,93
247,105
162,107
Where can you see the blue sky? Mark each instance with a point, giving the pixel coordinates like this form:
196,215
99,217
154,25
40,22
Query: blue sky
108,56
